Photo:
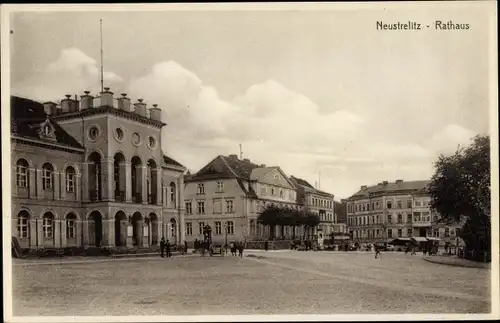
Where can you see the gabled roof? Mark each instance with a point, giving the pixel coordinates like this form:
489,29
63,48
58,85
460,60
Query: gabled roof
403,186
170,161
300,181
224,167
26,118
308,188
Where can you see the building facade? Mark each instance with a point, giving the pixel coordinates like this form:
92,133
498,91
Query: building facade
401,209
228,193
91,173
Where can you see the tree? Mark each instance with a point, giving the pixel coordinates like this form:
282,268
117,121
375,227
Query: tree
311,220
270,216
460,189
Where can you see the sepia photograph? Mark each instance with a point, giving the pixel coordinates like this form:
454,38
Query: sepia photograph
250,162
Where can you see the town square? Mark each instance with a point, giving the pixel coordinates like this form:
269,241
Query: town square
248,162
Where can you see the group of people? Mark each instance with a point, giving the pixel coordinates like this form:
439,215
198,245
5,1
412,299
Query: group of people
237,246
166,248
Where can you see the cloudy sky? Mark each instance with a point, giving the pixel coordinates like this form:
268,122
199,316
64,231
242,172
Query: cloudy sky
311,91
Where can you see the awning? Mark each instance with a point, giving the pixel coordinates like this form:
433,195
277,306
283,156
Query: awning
419,239
433,239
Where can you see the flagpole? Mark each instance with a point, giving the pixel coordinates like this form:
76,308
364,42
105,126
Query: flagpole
102,62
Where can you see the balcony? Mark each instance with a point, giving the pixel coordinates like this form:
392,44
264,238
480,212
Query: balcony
152,199
120,196
137,198
94,195
420,224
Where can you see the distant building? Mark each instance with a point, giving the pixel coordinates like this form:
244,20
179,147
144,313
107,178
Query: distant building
318,202
395,210
91,173
228,193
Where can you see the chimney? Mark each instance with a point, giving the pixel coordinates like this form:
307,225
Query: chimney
73,105
106,98
140,108
66,104
50,108
86,101
364,187
155,113
124,103
385,183
399,181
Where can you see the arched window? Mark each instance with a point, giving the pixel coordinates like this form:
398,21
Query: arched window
173,228
70,179
70,226
48,225
389,204
22,173
172,193
23,225
47,174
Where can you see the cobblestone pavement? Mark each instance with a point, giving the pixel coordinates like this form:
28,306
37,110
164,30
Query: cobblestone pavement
259,283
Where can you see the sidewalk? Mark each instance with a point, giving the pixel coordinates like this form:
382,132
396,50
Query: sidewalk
456,261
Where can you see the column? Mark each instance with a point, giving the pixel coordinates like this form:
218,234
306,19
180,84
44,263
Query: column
165,195
78,233
85,233
146,238
57,186
32,182
142,174
122,178
14,180
107,179
85,182
33,233
63,186
128,182
57,233
40,238
129,234
78,190
158,189
109,233
180,207
160,232
138,227
64,241
39,186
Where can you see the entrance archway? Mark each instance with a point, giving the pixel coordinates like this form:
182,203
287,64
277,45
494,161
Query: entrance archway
137,233
95,229
120,229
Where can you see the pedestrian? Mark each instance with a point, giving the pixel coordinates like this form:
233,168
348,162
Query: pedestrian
232,246
407,248
185,247
377,251
413,250
167,248
266,245
240,249
162,247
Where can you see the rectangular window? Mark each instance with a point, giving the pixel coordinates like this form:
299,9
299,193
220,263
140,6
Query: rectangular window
48,231
229,206
426,216
201,207
70,229
389,204
418,203
408,204
400,204
400,233
47,179
435,233
389,233
189,208
22,176
409,218
70,182
189,229
220,187
218,228
200,227
201,189
378,233
400,218
389,218
446,232
263,190
22,227
230,227
410,232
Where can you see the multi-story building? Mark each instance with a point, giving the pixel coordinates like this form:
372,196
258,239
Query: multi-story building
395,210
91,172
228,193
341,229
318,202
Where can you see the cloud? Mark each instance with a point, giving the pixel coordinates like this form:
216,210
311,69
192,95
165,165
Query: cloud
71,73
275,125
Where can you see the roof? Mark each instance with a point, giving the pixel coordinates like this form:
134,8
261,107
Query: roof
170,161
225,167
26,118
393,188
308,188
